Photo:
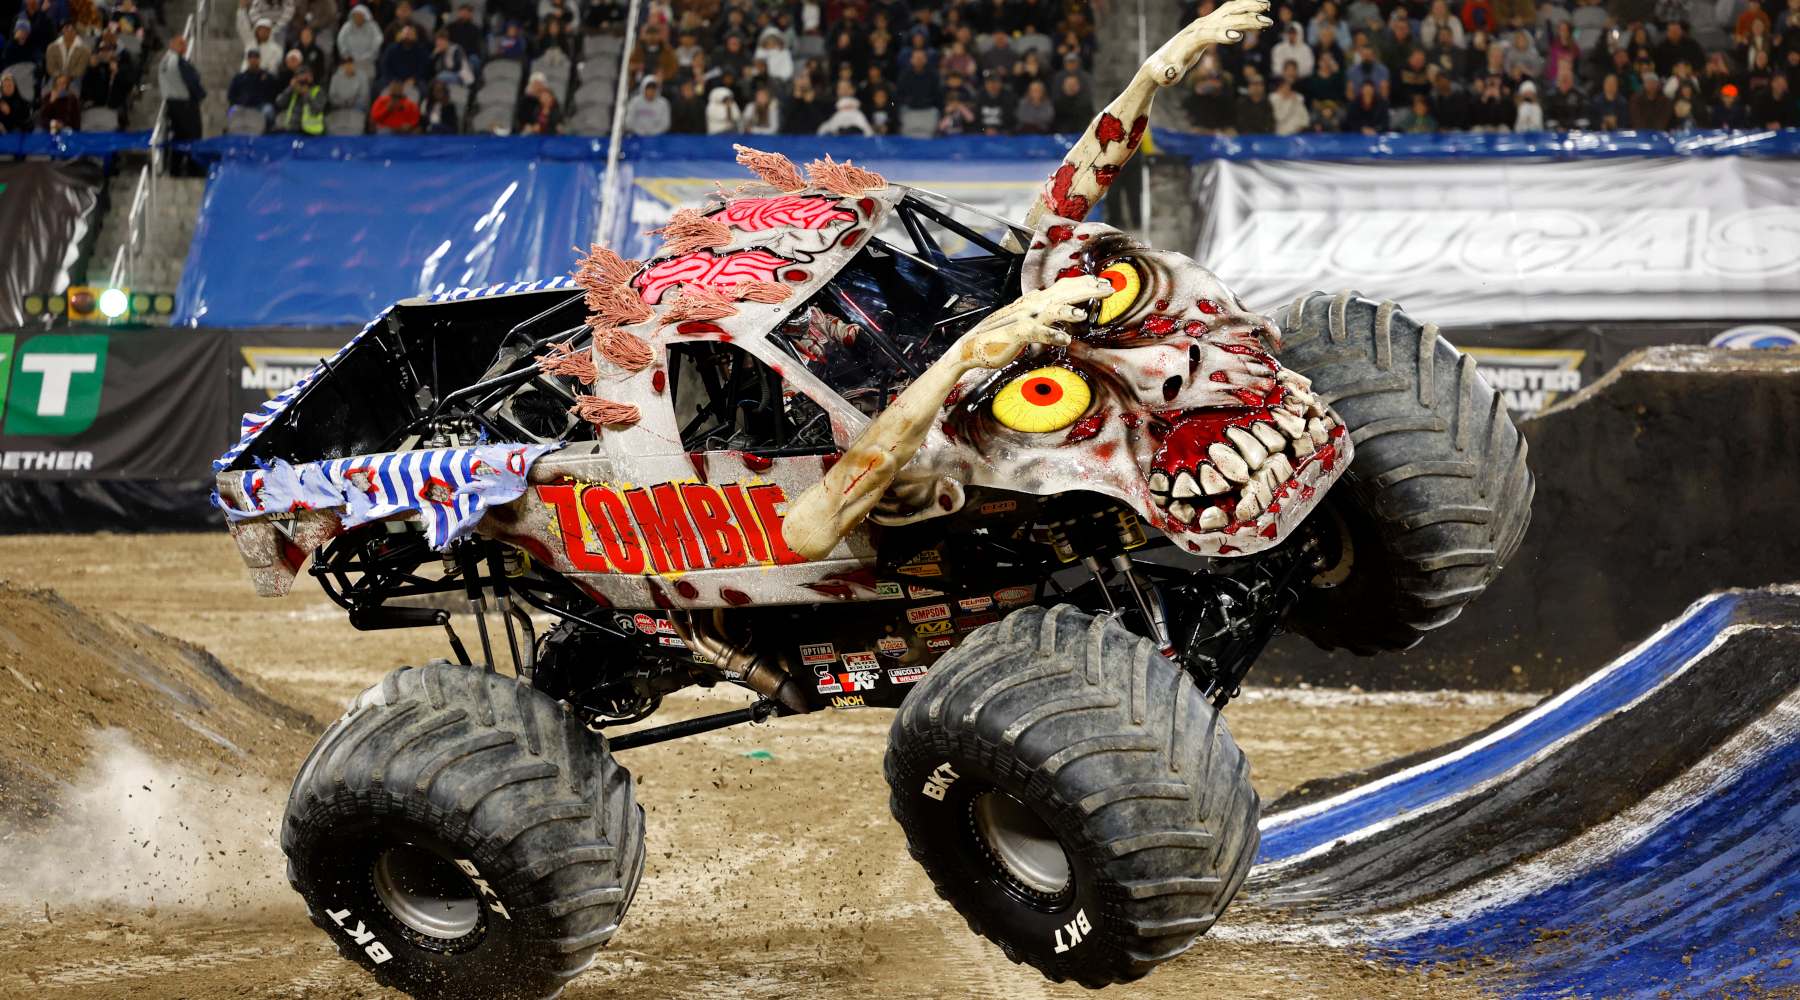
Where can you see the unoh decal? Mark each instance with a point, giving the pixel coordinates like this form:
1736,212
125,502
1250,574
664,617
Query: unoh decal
668,528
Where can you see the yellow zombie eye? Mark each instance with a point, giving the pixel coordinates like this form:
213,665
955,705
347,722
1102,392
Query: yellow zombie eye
1126,283
1047,399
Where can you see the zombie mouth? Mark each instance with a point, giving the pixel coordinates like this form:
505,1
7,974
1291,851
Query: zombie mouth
1221,469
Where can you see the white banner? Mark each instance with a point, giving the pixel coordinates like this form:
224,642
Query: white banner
1462,244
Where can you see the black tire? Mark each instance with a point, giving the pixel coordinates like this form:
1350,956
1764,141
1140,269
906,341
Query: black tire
450,800
1116,756
1438,495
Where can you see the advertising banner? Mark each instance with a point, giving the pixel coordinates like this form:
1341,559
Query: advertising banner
1483,243
45,210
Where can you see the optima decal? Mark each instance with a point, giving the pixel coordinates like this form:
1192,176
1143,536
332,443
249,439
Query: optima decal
668,528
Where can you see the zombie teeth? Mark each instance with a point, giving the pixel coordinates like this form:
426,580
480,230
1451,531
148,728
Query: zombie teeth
1291,424
1182,511
1315,429
1213,483
1249,508
1271,438
1213,518
1230,463
1159,482
1281,467
1265,482
1185,486
1247,445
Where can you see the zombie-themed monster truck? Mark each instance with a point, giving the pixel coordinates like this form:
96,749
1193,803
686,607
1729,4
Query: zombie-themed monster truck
843,443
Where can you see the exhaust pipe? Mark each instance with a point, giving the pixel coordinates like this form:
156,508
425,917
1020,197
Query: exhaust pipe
760,672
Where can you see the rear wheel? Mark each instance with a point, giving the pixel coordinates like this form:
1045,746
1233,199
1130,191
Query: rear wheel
1438,495
1070,792
462,836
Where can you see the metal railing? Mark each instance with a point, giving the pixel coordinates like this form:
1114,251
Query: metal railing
144,195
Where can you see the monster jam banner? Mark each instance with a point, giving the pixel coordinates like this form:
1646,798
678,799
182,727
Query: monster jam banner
45,209
1472,244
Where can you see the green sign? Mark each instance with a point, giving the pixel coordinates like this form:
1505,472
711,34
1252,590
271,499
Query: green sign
56,382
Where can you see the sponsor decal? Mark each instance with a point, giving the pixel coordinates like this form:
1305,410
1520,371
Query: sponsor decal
938,782
52,387
482,888
859,661
859,680
364,938
976,621
999,506
1529,379
886,589
975,603
906,675
669,640
277,368
930,613
45,461
1075,929
823,652
668,528
1009,596
920,593
848,701
828,684
929,569
645,624
939,645
932,628
892,645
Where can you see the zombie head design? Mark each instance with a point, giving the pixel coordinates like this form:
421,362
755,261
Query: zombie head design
1169,397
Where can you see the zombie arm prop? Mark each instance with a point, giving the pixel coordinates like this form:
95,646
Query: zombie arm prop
836,504
1090,167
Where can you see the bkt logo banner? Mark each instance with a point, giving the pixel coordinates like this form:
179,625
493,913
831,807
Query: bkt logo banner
52,388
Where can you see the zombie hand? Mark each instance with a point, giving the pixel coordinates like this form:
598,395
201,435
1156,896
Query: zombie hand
835,505
1224,26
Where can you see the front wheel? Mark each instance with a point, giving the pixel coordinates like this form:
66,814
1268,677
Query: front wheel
463,837
1070,792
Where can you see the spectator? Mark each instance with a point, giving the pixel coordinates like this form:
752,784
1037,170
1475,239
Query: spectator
1450,106
1326,82
310,53
449,62
957,60
360,38
438,115
1363,15
1522,56
1000,57
1565,51
1651,108
284,74
1417,119
849,118
1326,18
762,116
1035,113
253,90
1610,109
1691,111
555,37
772,50
67,56
996,108
319,15
1440,26
406,60
1752,16
394,112
918,87
647,113
401,19
1072,67
1293,49
1677,46
1291,115
1074,109
805,110
263,42
958,118
1491,110
15,110
687,109
730,56
18,47
1477,15
1328,42
1729,112
1773,106
1369,70
43,28
510,43
1566,105
466,34
653,54
722,112
1397,43
108,83
1517,14
1449,60
61,107
1413,78
301,107
349,88
1368,113
182,94
1530,116
884,118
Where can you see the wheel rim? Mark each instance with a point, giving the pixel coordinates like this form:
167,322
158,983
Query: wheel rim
1024,845
426,893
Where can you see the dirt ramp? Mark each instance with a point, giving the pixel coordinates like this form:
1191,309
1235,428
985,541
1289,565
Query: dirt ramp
135,767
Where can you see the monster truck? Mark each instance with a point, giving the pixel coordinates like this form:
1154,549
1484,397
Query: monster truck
1044,490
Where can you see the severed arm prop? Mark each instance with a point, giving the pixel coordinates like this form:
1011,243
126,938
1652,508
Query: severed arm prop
836,504
1092,164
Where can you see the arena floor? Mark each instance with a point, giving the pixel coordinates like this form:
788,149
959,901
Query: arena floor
152,871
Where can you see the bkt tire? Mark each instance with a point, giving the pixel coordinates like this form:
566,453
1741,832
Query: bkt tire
462,836
1438,496
1070,792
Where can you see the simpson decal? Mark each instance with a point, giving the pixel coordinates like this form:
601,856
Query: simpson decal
930,613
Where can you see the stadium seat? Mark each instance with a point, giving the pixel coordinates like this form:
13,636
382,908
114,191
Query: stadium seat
596,68
99,120
25,77
245,121
556,67
459,98
489,117
918,123
594,93
591,119
345,121
502,73
606,47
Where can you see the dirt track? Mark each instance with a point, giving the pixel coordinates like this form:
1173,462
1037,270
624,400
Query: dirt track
768,878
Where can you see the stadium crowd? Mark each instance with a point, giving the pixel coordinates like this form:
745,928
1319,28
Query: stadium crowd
905,67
